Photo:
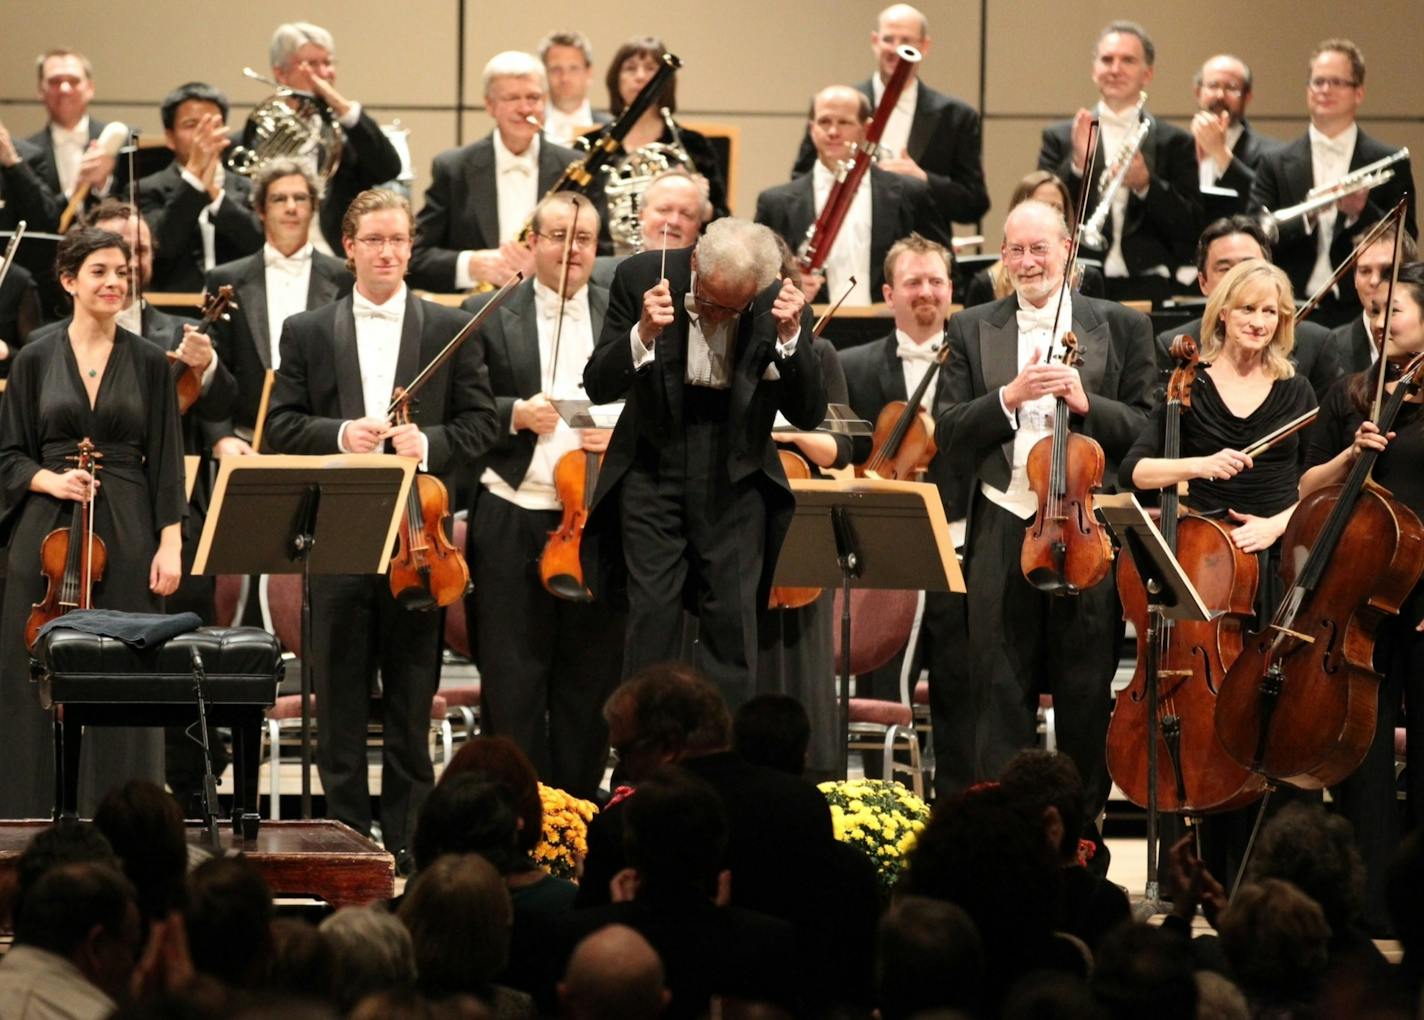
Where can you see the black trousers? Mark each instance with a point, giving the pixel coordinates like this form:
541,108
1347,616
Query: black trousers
357,628
1023,642
685,523
953,720
546,664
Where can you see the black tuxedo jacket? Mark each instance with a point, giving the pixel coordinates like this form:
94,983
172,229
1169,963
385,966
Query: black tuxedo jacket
511,339
1283,179
38,151
1315,355
654,411
172,207
947,142
898,205
1117,373
318,386
1352,345
461,209
1240,175
242,338
26,195
1162,227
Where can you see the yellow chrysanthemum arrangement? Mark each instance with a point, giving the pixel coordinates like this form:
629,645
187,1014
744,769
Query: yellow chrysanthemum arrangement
883,819
565,841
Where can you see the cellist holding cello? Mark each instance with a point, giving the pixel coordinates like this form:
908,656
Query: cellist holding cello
539,652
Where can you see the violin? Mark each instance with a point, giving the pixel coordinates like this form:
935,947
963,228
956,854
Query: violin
903,444
187,379
1065,550
560,564
1299,705
783,597
72,559
1194,774
427,571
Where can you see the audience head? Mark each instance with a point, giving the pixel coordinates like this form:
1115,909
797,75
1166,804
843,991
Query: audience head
1047,785
1123,60
773,730
675,200
898,25
1035,250
1335,87
85,912
144,825
837,122
229,921
1145,972
301,51
119,217
499,759
469,814
568,64
1372,268
1224,244
303,961
919,287
67,841
928,956
555,218
613,974
632,67
663,713
1314,850
93,268
65,83
1051,995
1223,85
1251,310
514,93
1044,186
376,234
183,111
458,913
1276,939
371,952
675,835
734,260
285,193
1219,999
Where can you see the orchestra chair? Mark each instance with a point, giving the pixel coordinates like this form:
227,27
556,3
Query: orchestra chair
280,596
882,622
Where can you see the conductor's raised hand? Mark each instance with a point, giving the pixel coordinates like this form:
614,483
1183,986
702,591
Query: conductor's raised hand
363,435
657,313
787,309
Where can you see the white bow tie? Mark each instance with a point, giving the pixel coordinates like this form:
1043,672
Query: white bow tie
549,308
911,351
389,312
518,164
293,264
1030,319
1126,120
1329,147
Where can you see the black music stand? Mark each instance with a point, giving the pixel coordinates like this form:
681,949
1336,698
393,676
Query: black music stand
1170,596
307,515
866,533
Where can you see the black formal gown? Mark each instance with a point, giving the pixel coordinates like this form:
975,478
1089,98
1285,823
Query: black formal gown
134,423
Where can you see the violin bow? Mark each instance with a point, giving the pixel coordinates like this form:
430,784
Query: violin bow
1395,214
1376,232
563,299
825,319
1077,237
1273,437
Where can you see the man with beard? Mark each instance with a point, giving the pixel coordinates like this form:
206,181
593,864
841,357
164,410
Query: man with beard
1228,150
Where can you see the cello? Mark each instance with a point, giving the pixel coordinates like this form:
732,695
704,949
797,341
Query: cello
71,558
1194,773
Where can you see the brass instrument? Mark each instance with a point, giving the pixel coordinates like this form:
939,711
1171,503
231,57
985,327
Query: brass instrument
290,124
1111,179
1369,176
627,181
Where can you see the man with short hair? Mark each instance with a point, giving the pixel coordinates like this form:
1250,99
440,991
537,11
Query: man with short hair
1001,389
1228,150
65,152
547,662
1223,244
481,195
1355,342
613,974
1156,213
339,367
932,137
568,63
1309,247
303,57
674,207
202,214
886,207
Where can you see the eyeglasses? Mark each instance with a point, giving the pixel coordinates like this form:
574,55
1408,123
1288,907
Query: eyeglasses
1326,84
708,305
583,239
302,199
375,243
1016,252
1229,88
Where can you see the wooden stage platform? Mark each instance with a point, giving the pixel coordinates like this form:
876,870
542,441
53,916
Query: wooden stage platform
322,860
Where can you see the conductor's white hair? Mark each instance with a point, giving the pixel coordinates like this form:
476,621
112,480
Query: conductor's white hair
293,36
514,64
739,250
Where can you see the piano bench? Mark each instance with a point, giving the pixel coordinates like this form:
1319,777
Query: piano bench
98,681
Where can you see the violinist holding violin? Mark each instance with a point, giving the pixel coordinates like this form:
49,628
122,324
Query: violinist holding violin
93,380
999,394
340,365
538,653
1344,431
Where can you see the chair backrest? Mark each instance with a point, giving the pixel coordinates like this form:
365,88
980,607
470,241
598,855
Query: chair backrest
229,599
282,609
880,623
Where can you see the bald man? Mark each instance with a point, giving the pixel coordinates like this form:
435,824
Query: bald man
886,207
1228,150
614,974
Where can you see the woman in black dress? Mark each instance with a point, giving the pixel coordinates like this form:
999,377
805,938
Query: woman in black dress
95,380
1342,432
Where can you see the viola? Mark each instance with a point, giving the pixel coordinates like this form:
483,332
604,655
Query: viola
187,379
72,559
561,564
1194,773
903,444
1299,705
782,596
1065,550
427,571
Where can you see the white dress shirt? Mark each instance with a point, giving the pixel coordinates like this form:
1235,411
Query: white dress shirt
288,281
205,217
536,490
915,361
69,147
36,984
1034,418
1115,127
563,127
516,192
850,254
1329,160
1208,173
378,338
896,137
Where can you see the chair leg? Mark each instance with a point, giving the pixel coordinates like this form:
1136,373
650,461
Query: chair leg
447,742
1050,737
887,757
274,771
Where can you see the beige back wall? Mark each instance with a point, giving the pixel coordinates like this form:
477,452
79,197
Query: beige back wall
747,63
